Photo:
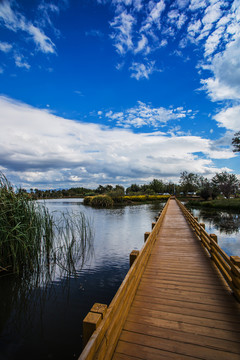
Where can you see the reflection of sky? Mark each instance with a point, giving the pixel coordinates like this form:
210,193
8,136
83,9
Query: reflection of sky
228,240
116,231
47,322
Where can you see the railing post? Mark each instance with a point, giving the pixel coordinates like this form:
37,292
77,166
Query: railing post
202,227
153,224
235,273
146,235
134,254
214,239
92,321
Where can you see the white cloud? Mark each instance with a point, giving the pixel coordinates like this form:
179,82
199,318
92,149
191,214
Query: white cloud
142,45
181,4
43,42
141,71
226,69
5,47
229,118
175,17
156,12
146,115
197,4
20,62
40,149
45,11
123,26
213,41
15,21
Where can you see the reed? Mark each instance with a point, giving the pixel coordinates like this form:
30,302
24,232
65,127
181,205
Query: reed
99,201
33,241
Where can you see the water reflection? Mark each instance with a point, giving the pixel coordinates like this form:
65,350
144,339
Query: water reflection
41,317
225,224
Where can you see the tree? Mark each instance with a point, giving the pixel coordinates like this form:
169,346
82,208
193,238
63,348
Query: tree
206,189
118,191
157,186
133,189
236,142
189,182
227,184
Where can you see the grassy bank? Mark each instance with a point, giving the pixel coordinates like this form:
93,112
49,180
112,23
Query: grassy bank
227,204
105,201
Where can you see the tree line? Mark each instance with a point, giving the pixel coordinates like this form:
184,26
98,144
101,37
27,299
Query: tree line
223,183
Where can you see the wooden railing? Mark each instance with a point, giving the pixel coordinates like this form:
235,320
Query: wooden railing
228,266
102,343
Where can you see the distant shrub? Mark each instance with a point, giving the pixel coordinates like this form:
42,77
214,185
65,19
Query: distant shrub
227,204
87,200
143,198
101,201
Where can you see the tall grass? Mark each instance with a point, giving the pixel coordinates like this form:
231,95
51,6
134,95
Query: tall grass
32,240
99,201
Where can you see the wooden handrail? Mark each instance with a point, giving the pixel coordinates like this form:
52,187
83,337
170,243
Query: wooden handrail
228,266
102,343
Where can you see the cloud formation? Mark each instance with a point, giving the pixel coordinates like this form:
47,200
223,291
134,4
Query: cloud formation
140,28
15,21
229,118
50,151
145,115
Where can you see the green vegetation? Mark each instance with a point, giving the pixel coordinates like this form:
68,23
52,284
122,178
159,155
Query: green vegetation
106,201
227,204
236,142
190,184
28,232
99,201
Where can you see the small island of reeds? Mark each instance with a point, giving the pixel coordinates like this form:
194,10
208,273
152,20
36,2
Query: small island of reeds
107,201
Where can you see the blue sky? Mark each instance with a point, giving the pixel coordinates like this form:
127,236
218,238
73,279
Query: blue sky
117,91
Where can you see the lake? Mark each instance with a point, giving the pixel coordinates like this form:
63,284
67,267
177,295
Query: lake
45,322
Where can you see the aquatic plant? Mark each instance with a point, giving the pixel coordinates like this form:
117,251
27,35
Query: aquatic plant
33,240
102,201
87,200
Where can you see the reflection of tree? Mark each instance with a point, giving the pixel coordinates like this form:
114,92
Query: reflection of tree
223,221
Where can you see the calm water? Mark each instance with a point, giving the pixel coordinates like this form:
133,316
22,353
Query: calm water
225,224
45,322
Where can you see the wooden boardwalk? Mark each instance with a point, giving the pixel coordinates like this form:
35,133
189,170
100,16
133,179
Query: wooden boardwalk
182,308
173,303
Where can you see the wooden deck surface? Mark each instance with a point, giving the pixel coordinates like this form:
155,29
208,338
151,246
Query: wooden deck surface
182,308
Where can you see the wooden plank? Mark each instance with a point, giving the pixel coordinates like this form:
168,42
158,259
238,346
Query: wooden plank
181,308
214,324
185,295
181,336
228,309
185,311
146,352
177,347
185,327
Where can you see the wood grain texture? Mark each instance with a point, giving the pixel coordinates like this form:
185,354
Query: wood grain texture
183,308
